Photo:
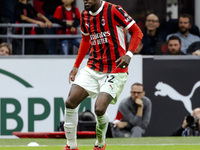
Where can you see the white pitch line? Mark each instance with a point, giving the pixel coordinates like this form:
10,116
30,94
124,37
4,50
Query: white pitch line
107,144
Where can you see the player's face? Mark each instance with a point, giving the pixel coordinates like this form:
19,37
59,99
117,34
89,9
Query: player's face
4,51
174,46
184,24
137,92
152,22
92,5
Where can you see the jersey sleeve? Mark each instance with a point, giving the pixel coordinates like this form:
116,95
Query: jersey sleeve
83,49
122,18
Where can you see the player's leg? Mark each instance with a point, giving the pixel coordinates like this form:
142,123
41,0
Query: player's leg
111,87
85,84
76,95
101,104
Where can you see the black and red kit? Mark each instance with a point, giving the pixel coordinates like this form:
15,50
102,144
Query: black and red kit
106,28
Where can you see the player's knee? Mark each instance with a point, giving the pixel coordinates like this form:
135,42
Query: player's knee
99,111
70,104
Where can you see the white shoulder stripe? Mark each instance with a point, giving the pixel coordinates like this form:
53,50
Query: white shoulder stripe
121,37
130,24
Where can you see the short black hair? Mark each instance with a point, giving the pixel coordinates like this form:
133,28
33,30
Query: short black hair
185,15
174,37
139,84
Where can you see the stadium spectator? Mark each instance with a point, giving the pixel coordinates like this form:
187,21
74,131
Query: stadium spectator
133,115
49,7
152,35
190,125
68,16
103,35
184,24
5,49
171,26
174,46
25,13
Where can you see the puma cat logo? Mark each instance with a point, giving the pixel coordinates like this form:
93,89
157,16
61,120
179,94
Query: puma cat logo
164,89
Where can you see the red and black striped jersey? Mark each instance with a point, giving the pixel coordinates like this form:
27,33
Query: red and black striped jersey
106,28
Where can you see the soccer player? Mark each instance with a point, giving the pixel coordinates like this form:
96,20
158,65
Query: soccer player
103,34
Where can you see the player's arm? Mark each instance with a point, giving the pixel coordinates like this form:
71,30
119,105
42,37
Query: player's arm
83,49
135,41
135,38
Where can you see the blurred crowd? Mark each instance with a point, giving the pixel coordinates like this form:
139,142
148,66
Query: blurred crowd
175,37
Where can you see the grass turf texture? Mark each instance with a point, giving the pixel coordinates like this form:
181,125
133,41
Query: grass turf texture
145,143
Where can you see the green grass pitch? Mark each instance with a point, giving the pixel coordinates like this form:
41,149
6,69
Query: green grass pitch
144,143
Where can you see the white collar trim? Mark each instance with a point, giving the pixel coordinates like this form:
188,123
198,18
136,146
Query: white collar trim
98,11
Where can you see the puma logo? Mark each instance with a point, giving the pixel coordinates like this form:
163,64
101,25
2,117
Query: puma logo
164,89
111,87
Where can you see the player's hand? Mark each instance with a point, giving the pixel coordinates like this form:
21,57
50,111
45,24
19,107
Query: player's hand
123,61
139,102
72,74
